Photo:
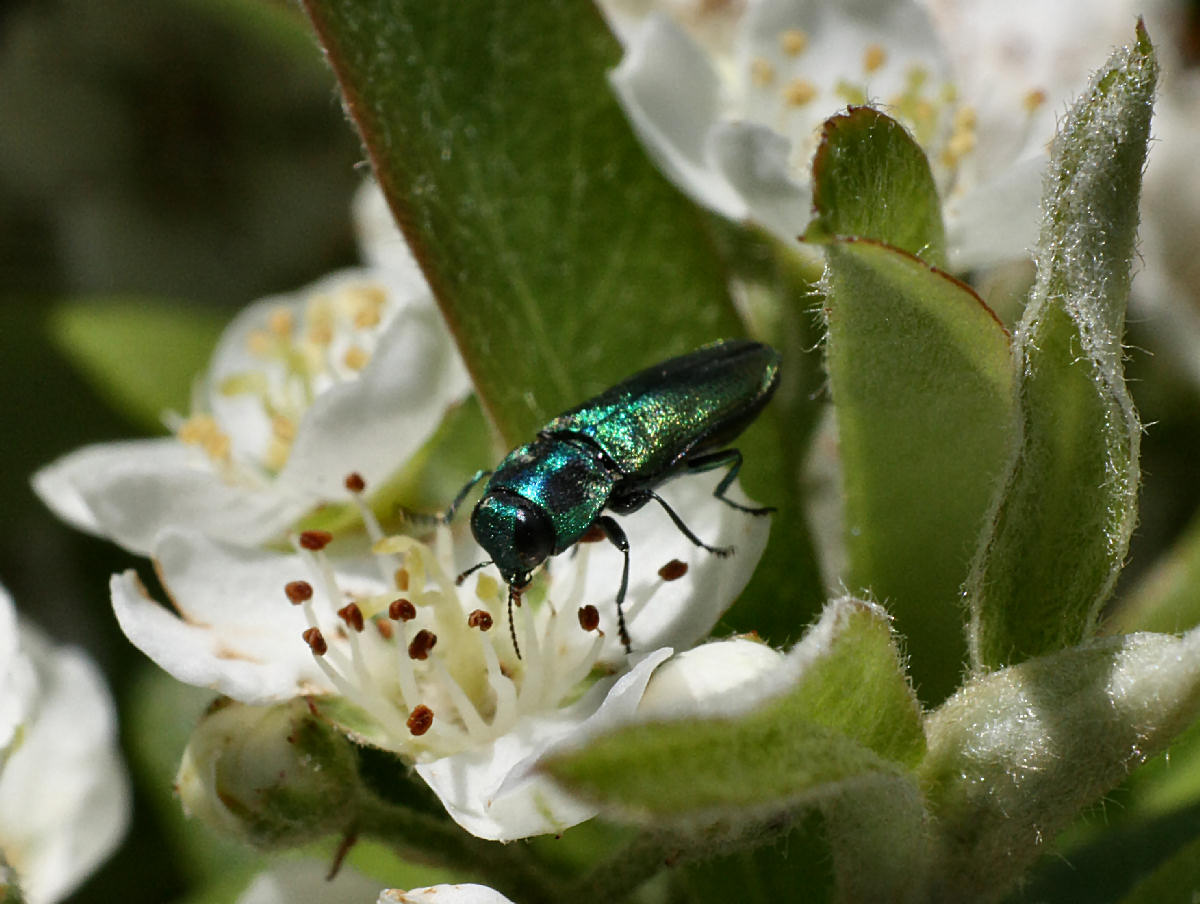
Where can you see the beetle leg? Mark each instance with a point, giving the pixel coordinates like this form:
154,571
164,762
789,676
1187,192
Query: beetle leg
462,494
733,458
719,551
617,538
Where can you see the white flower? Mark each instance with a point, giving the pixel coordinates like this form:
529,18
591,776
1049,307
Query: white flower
444,894
305,882
353,373
64,796
736,129
400,657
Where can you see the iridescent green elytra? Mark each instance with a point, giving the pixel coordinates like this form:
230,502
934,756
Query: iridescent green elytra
612,451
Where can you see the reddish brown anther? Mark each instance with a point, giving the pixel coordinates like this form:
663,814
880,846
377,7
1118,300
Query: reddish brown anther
355,482
315,539
480,619
589,618
384,627
402,610
420,720
298,591
673,570
425,641
593,534
316,641
352,616
401,578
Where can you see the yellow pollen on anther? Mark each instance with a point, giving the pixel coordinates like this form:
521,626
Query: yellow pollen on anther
794,41
1034,99
965,119
283,428
355,358
762,72
959,145
799,92
281,321
487,587
202,430
366,305
260,343
874,57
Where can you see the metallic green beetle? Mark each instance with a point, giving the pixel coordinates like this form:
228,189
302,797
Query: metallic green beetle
612,451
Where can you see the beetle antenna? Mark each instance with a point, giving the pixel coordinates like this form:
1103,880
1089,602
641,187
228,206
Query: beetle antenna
513,593
470,571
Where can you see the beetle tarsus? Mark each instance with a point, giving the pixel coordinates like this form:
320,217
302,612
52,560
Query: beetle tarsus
617,538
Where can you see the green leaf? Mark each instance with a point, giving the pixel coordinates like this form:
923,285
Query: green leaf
141,354
1168,598
921,380
561,258
1176,880
845,710
872,180
1017,753
1059,531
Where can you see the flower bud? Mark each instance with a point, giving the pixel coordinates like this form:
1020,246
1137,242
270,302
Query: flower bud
274,776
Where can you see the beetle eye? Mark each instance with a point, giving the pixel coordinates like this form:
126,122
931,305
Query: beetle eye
533,536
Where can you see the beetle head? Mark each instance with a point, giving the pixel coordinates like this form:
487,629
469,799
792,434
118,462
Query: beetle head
517,534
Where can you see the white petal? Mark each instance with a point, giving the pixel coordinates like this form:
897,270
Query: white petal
372,425
754,160
304,881
493,793
380,240
236,632
129,491
672,613
444,894
710,680
670,94
16,675
996,221
64,795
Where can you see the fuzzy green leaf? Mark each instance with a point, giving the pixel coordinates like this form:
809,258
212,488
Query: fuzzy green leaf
872,180
845,710
1060,528
141,354
921,380
1016,753
562,259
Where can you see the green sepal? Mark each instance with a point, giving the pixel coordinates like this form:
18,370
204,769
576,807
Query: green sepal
1017,753
1059,532
872,180
562,259
921,380
141,354
843,710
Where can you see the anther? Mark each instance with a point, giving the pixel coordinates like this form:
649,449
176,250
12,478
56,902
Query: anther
480,619
401,578
794,41
593,534
425,641
384,627
799,92
762,72
589,617
355,482
402,610
316,641
352,616
673,570
315,539
298,591
420,720
874,57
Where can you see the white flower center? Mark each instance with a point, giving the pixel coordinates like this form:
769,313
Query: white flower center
299,357
790,84
431,663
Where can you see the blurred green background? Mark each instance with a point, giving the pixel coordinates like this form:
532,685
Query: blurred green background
195,153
